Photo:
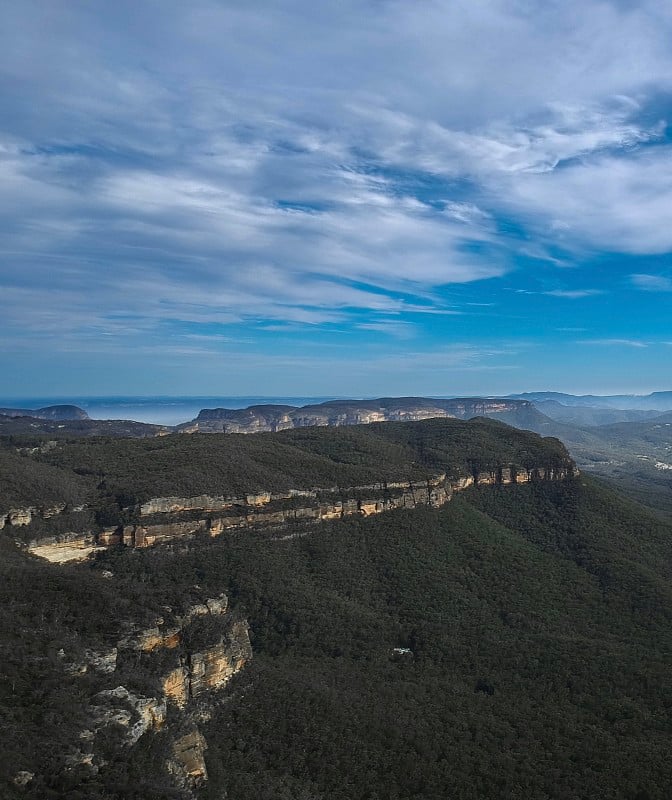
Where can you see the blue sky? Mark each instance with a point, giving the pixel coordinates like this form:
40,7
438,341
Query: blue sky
353,198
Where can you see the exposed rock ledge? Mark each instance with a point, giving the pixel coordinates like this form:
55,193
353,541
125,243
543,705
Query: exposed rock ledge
65,548
186,684
18,517
266,509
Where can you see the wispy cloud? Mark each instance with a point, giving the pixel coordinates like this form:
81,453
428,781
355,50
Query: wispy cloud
652,283
569,294
617,203
614,342
573,294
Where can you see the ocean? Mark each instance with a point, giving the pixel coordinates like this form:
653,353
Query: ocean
158,410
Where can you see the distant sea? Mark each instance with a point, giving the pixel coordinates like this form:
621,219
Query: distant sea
158,410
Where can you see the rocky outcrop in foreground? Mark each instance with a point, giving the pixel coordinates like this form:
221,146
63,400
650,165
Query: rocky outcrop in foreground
187,680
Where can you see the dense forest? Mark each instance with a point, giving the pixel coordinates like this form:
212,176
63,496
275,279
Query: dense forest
516,643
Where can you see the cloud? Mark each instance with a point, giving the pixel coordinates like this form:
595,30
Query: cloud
391,327
651,283
614,342
503,148
222,164
619,203
573,294
570,294
182,245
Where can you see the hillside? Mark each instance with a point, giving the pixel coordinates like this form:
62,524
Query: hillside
634,457
513,643
590,416
63,422
60,428
538,629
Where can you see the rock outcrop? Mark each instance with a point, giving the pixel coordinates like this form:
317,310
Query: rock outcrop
66,547
134,713
187,685
19,517
215,665
210,668
189,759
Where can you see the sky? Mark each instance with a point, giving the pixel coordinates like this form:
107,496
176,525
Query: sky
381,197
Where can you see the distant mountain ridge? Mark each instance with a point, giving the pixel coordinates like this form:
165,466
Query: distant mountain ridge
334,413
592,416
60,412
656,401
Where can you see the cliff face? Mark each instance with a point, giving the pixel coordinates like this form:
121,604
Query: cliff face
210,668
170,519
268,418
159,675
186,674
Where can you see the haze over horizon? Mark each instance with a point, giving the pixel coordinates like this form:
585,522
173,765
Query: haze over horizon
364,199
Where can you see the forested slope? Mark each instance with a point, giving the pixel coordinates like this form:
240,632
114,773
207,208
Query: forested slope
516,643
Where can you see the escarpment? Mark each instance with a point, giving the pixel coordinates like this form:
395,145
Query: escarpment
336,413
170,519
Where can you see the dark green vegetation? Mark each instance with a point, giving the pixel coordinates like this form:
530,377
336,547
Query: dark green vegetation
539,626
49,619
607,441
538,619
24,479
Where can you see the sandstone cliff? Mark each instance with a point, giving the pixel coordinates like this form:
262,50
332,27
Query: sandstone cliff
171,519
185,676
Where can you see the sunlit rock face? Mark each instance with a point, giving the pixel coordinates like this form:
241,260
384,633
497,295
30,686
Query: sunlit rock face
214,666
65,548
189,758
176,686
